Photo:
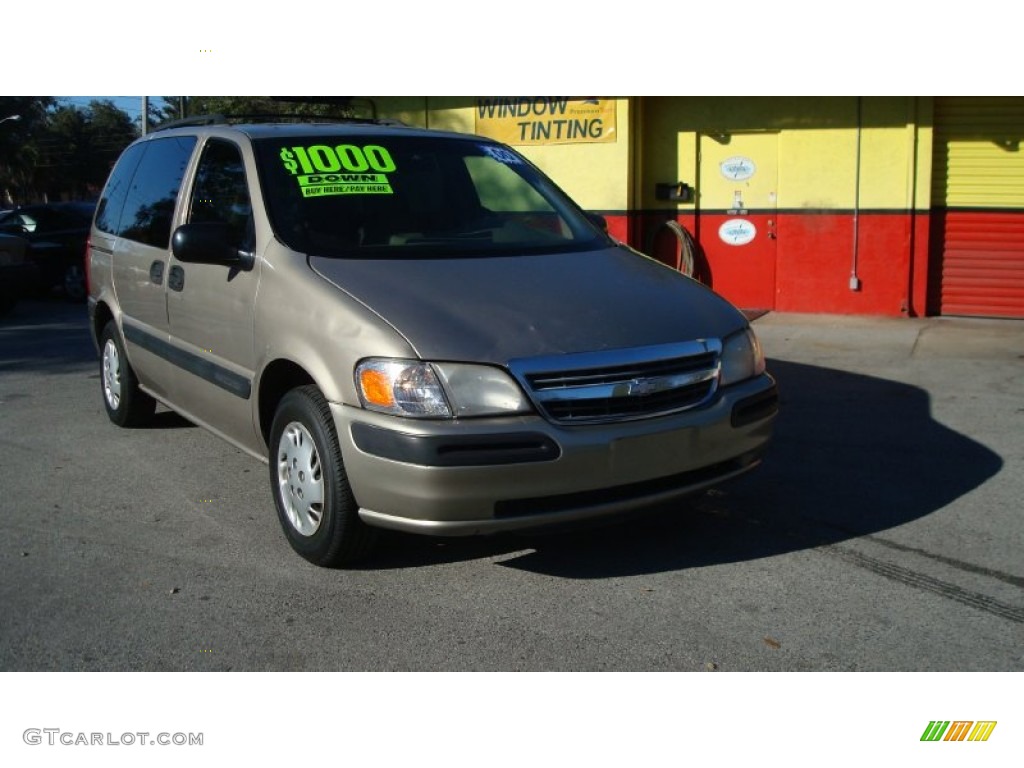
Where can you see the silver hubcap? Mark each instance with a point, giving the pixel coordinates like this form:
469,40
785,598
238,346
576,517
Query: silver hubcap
300,479
111,375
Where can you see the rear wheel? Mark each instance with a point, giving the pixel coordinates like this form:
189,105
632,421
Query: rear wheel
126,404
314,502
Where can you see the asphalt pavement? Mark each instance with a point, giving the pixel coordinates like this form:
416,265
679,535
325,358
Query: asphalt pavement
883,532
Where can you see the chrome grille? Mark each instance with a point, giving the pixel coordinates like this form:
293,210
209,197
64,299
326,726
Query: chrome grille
622,384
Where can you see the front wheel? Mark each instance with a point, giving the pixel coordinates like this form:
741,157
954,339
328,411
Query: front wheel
314,502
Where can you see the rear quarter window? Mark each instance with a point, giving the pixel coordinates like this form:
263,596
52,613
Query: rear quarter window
149,197
108,211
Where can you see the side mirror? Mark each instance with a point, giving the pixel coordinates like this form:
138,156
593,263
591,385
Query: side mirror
209,242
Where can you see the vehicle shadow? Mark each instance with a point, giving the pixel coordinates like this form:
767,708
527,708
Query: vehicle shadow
50,336
852,455
168,419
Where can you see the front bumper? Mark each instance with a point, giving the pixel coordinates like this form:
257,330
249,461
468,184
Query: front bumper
489,475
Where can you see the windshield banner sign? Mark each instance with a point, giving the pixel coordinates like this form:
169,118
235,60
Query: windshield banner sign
342,170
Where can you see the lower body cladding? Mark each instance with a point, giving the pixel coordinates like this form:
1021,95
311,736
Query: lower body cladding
485,476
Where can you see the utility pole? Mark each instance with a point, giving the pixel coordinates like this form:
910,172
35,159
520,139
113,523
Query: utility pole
145,115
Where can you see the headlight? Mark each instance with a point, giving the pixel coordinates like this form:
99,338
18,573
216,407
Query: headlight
401,387
742,358
437,390
479,390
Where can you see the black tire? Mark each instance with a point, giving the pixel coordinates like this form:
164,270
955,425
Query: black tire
683,256
329,532
126,404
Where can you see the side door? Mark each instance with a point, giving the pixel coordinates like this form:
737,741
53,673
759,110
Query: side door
141,252
211,307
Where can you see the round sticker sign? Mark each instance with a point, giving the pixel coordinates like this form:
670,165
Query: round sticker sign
737,168
737,232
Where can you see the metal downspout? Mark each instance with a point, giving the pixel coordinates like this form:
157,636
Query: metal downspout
854,277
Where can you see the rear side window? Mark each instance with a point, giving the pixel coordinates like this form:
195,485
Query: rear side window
149,209
149,197
108,212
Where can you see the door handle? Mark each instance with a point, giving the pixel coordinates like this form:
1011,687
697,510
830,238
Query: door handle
176,279
156,273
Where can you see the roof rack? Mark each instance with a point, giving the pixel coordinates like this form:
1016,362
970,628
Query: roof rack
185,122
218,119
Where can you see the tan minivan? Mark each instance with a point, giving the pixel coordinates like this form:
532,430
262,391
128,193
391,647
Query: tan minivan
416,330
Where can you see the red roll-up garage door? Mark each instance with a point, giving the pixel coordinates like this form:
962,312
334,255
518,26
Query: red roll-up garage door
978,204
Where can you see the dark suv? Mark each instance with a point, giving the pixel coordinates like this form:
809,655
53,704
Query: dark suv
17,272
57,233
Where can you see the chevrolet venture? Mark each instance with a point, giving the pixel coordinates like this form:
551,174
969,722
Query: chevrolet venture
416,330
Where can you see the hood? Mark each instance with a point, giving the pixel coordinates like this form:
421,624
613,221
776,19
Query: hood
496,308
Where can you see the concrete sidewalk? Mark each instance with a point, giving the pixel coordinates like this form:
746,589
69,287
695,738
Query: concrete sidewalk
877,339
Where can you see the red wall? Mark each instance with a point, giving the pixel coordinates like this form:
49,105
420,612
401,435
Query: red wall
807,267
977,262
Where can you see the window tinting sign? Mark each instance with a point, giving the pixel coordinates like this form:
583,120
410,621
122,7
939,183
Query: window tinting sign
737,168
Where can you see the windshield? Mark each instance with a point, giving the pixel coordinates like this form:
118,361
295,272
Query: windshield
378,196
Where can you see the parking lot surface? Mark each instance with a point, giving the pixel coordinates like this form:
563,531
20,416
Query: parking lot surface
883,532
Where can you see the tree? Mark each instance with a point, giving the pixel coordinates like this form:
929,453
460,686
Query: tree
162,109
62,150
79,146
19,152
58,151
229,106
109,130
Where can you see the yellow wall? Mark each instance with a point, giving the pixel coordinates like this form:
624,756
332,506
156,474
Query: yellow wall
658,139
666,151
817,147
597,176
979,159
